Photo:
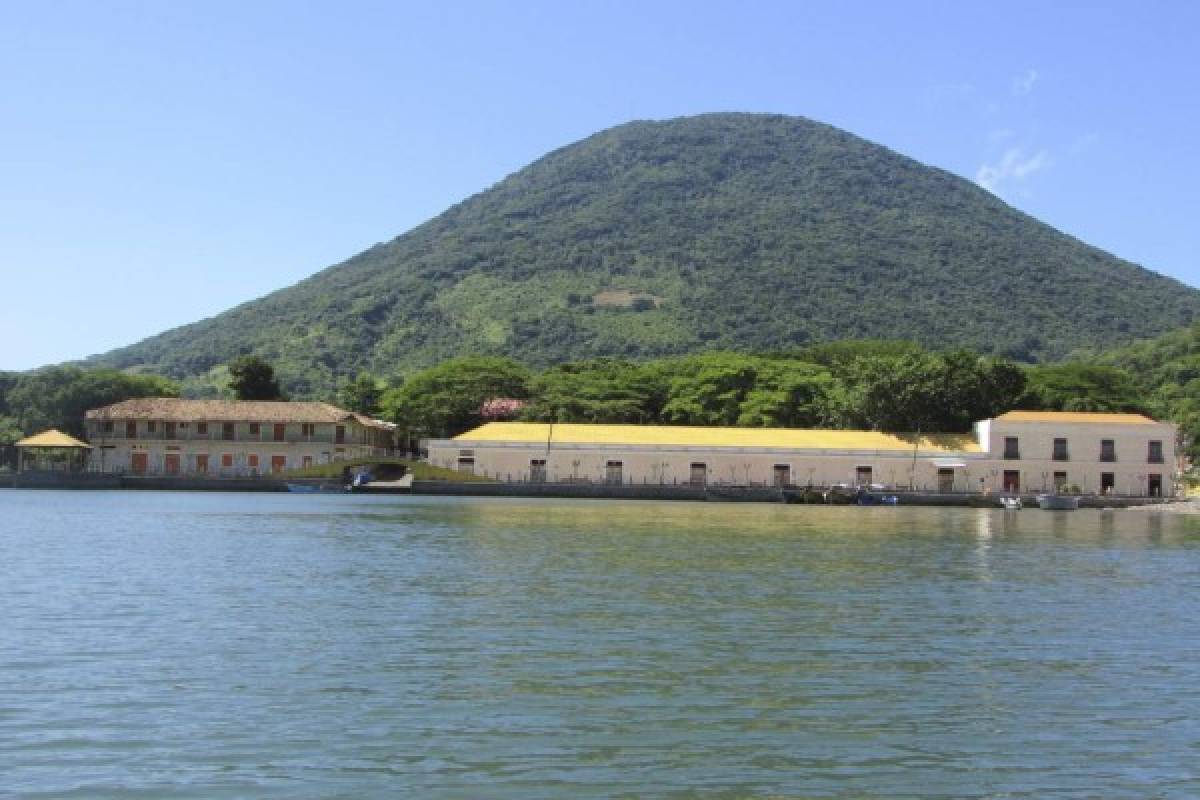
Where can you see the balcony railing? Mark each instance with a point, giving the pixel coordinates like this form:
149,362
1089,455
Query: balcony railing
267,437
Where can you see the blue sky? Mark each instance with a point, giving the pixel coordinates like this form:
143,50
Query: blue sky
163,161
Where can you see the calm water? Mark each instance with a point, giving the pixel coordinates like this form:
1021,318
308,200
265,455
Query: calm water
193,645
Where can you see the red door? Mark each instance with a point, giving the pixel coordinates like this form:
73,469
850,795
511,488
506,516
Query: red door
171,463
1012,481
278,463
140,463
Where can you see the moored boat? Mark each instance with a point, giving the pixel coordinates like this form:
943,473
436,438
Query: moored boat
1058,502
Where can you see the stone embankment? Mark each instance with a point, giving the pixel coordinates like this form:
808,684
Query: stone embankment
1190,506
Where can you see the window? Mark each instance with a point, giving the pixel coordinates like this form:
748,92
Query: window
279,432
306,430
202,429
168,430
255,429
307,462
699,474
252,463
1060,481
131,430
466,464
108,426
1108,483
227,431
1011,448
1060,450
1108,450
339,434
614,472
537,470
151,426
202,463
1154,454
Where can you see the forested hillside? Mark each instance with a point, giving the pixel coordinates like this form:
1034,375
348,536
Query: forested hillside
718,232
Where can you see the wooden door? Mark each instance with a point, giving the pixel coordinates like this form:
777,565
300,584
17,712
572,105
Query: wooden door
171,463
140,463
699,474
1012,481
278,463
945,479
202,463
783,474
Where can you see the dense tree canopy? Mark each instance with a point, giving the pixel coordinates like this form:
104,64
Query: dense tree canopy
58,397
449,398
879,385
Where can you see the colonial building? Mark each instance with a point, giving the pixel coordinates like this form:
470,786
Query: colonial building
168,436
1019,451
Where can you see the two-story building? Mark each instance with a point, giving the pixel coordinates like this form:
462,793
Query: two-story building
1094,453
170,436
1021,451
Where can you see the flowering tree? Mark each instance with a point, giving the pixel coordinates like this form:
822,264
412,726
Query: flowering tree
501,408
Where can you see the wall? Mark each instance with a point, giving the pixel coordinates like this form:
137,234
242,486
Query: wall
672,466
1037,466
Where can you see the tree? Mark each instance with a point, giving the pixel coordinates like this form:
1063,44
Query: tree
791,395
944,392
252,378
364,394
10,431
603,391
447,399
1082,387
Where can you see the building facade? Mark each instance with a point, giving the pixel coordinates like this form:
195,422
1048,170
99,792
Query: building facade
1017,452
220,438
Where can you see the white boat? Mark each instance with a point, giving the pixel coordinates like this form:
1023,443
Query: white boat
1011,503
1058,502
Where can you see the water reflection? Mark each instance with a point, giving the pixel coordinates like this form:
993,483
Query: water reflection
341,646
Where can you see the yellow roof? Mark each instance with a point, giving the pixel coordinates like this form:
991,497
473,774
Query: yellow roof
783,438
52,438
1084,417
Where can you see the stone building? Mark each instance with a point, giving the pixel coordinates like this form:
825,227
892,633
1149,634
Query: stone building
169,436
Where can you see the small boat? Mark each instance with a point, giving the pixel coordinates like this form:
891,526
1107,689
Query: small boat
871,499
1057,502
1011,503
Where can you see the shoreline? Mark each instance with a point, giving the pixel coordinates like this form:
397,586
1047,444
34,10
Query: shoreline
683,493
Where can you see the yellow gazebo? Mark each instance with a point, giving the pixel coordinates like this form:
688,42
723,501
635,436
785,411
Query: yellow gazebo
52,450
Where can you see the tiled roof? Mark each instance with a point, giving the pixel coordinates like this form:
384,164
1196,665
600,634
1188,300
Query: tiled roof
782,438
170,409
1076,417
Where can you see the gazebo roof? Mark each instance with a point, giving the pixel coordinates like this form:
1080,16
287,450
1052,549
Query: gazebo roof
52,438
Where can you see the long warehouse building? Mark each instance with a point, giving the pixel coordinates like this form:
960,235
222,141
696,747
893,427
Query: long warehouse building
1020,451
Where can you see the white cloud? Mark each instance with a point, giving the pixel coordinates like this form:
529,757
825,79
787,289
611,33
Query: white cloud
1013,167
1023,84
